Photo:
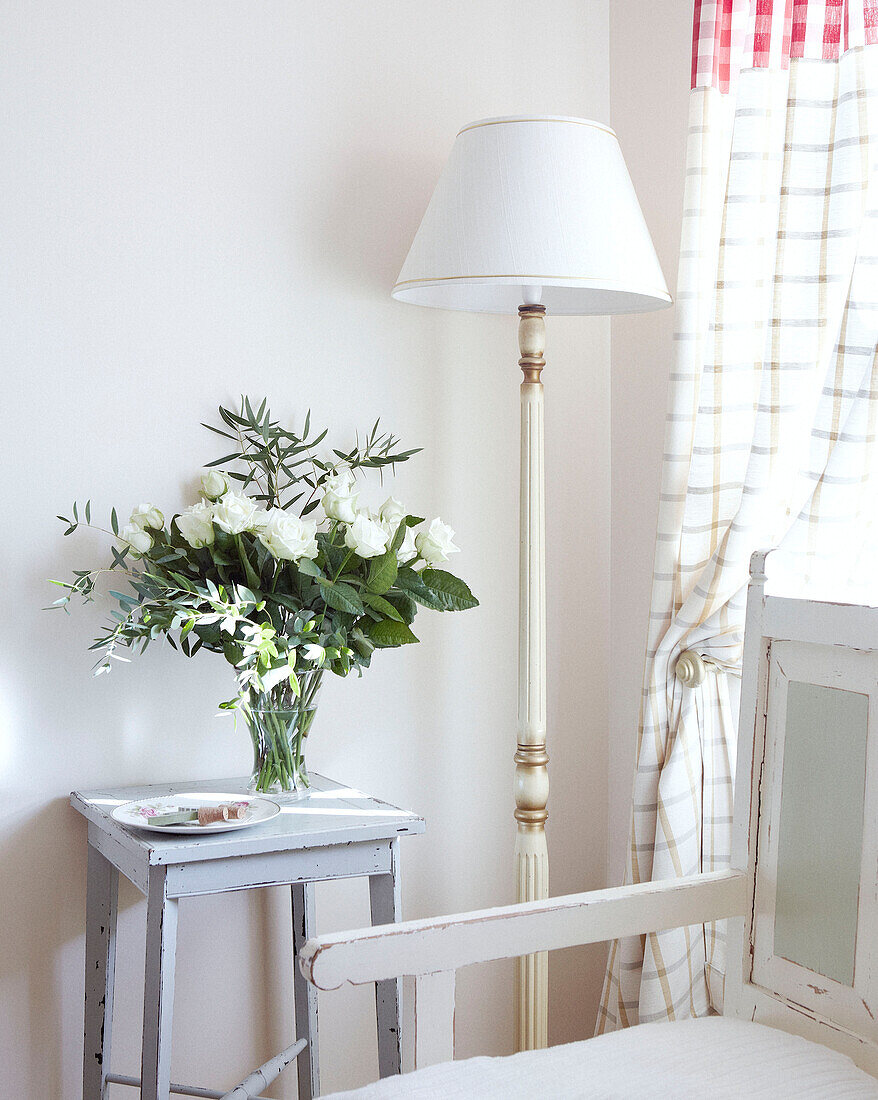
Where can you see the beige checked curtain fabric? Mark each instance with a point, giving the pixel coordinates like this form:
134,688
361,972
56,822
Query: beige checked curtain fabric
772,424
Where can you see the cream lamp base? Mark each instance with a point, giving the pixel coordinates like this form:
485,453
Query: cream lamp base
531,774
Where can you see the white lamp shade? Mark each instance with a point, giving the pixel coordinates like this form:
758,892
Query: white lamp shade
534,202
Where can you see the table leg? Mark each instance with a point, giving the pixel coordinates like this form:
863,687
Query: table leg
305,994
384,895
102,892
158,988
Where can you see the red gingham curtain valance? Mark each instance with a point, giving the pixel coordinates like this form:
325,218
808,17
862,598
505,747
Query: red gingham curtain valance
731,35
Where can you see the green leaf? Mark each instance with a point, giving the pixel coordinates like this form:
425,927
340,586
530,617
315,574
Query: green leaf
124,598
310,568
451,590
404,604
249,571
398,538
88,511
388,634
288,602
114,522
218,431
378,603
363,645
410,581
342,597
226,458
413,521
382,572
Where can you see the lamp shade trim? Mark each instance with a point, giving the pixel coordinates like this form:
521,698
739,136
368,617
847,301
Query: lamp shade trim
537,280
537,118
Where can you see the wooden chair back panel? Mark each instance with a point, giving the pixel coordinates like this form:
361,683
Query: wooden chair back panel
806,823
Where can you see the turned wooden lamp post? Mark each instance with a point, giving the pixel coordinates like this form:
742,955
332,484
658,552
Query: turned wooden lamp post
533,214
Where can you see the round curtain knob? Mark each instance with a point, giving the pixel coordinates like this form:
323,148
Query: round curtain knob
690,669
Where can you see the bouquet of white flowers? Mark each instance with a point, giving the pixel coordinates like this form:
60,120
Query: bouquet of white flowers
251,572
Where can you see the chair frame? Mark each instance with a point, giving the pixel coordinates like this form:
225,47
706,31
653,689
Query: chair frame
432,950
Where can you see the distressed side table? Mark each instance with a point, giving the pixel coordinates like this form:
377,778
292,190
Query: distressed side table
335,832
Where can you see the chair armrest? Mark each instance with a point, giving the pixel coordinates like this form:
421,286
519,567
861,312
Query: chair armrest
446,943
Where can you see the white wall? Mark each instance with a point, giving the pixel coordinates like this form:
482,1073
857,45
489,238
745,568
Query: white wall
650,48
202,198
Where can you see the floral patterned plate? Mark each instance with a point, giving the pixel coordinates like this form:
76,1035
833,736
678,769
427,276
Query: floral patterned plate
138,814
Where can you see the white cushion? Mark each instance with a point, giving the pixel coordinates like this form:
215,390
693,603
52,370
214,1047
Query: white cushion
716,1058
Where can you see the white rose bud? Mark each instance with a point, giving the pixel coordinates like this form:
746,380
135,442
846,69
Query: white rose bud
366,537
147,515
234,513
288,537
392,512
137,539
196,525
214,484
340,497
435,544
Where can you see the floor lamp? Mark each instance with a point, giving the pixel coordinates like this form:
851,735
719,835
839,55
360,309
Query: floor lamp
531,215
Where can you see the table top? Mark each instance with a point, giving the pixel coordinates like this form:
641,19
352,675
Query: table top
330,814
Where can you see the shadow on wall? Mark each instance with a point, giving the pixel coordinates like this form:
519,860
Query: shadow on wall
38,851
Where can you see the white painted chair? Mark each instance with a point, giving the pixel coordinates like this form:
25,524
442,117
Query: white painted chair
802,889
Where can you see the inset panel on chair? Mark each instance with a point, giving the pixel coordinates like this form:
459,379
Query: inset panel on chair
820,839
816,914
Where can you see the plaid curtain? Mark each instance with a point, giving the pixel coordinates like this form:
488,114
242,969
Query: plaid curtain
772,423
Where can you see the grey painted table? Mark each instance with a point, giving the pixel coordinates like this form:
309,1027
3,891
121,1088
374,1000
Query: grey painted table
335,832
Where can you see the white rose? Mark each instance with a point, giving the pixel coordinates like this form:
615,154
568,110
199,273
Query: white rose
214,484
409,548
340,499
288,537
147,515
435,544
196,525
392,512
138,540
234,513
366,537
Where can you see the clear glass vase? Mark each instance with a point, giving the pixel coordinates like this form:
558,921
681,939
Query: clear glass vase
279,722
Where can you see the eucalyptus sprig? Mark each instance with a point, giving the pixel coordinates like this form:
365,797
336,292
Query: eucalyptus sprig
281,463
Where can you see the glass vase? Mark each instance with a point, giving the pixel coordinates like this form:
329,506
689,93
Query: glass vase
279,722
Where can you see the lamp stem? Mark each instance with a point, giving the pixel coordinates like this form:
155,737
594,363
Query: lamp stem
531,774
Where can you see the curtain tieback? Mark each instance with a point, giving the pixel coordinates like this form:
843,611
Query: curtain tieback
691,668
